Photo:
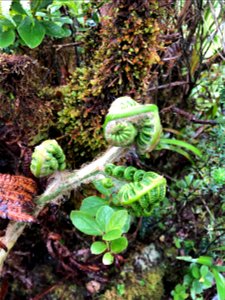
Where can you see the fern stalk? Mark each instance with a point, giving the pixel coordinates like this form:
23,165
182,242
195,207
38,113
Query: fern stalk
60,185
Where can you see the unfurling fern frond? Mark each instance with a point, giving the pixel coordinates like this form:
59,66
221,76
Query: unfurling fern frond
142,192
47,158
130,123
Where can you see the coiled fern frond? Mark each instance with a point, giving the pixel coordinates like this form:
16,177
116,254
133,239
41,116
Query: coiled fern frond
47,158
129,122
142,191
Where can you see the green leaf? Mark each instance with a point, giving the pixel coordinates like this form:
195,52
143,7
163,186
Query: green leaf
162,146
54,30
205,260
219,268
197,286
187,280
17,7
126,227
6,37
182,144
91,204
186,258
119,245
189,179
31,31
220,284
98,247
101,188
204,270
103,216
208,280
195,271
117,220
63,20
85,223
107,259
112,235
42,4
6,24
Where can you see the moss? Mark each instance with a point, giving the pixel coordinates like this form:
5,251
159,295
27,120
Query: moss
146,286
140,278
120,63
66,292
20,104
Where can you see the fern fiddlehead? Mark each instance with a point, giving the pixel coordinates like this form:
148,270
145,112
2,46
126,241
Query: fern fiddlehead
129,122
142,192
47,158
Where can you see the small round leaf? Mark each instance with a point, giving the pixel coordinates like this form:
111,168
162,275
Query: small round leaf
98,248
119,245
112,235
107,258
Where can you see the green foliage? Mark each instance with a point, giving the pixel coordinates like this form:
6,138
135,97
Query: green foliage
201,194
29,22
177,146
47,158
107,223
108,217
207,94
142,192
218,175
179,293
209,37
200,276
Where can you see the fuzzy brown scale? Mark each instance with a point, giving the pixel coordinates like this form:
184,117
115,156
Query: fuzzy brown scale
16,194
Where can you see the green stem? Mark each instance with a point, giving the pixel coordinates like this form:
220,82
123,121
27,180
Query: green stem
59,186
134,111
69,181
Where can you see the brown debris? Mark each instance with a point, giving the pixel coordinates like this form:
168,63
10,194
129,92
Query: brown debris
16,193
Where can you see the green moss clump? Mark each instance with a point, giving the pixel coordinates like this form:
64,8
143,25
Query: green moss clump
148,286
120,64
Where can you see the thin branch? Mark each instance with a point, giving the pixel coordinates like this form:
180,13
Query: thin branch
164,86
188,116
59,47
217,24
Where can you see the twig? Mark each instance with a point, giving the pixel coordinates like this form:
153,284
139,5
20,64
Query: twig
61,184
218,27
59,47
164,86
188,115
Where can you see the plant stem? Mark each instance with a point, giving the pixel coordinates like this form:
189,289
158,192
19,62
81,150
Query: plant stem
62,184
